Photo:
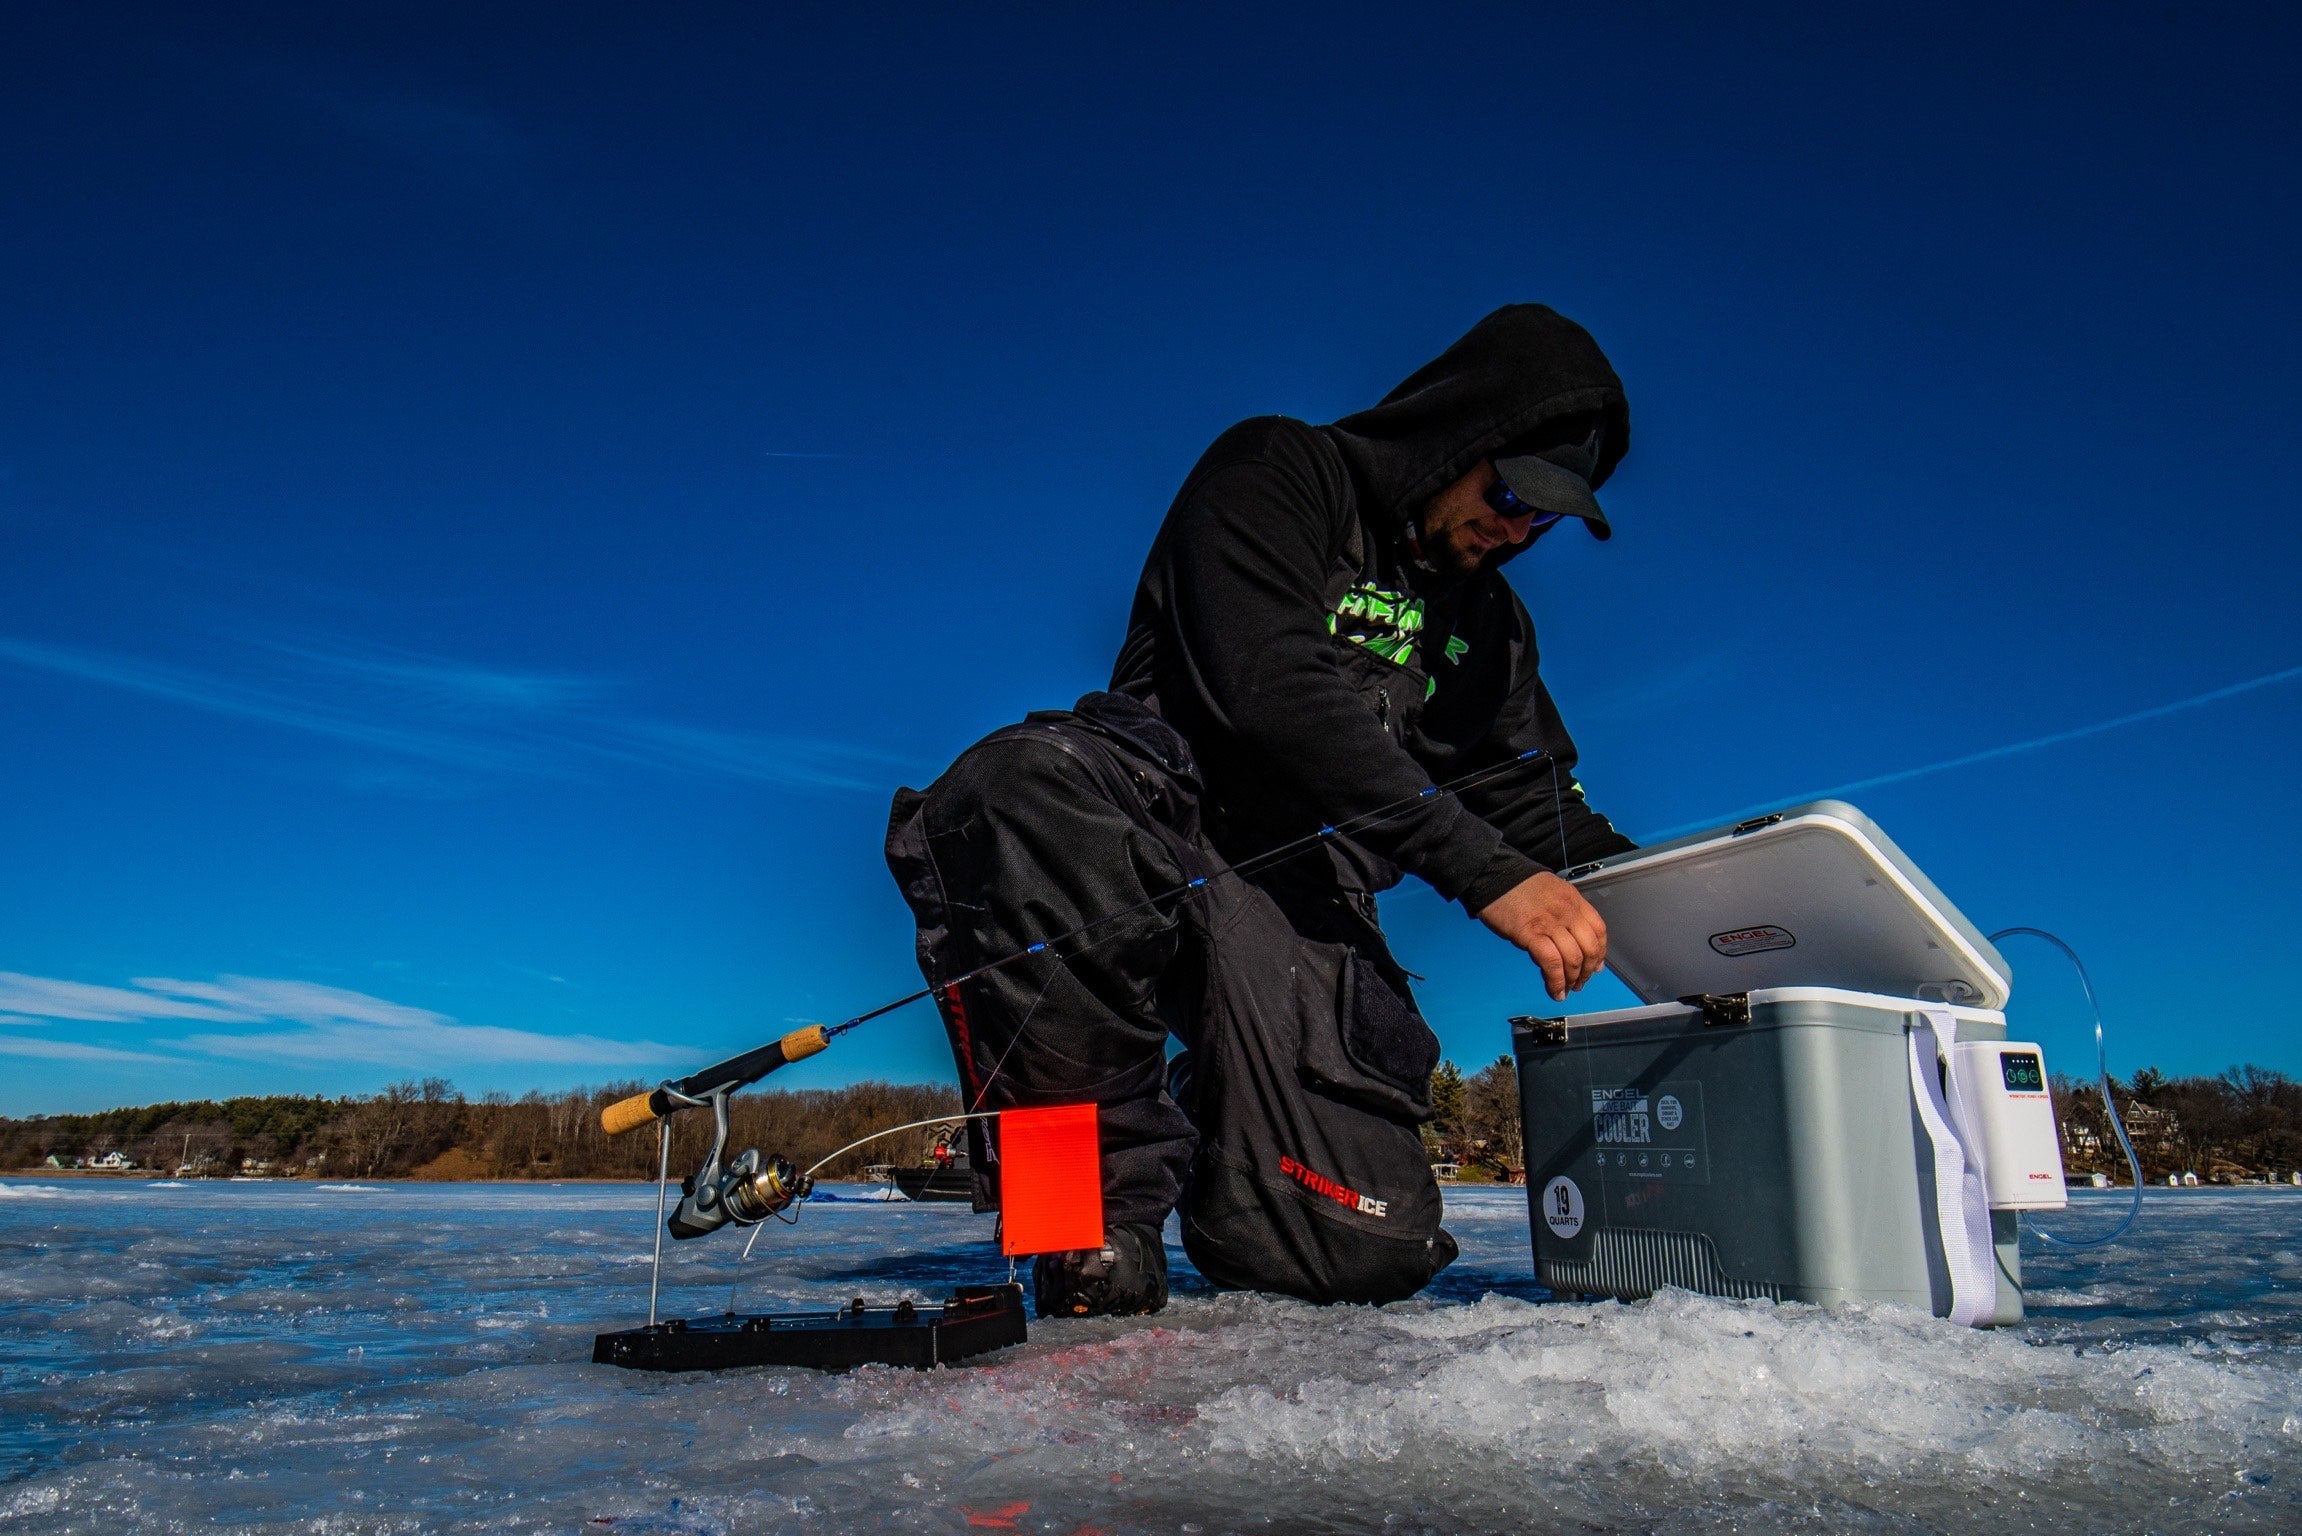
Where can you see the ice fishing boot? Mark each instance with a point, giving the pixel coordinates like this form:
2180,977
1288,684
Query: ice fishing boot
1126,1277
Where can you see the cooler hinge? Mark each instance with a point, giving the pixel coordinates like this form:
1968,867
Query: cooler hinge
1540,1031
1720,1010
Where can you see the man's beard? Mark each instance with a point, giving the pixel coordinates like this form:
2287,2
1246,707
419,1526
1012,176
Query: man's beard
1442,553
1458,560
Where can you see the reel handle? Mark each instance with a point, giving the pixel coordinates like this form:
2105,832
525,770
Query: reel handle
643,1108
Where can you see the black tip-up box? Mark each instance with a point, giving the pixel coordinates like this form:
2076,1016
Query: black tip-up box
977,1319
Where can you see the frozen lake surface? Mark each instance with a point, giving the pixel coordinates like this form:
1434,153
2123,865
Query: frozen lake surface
415,1357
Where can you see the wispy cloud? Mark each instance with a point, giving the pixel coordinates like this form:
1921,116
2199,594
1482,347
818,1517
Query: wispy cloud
43,998
758,756
272,705
279,1019
1992,754
452,684
432,128
71,1050
430,1045
459,715
460,138
1664,688
252,999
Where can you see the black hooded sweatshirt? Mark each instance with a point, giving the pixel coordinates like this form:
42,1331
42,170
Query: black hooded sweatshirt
1321,672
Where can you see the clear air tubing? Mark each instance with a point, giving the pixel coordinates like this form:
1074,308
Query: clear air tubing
2109,1105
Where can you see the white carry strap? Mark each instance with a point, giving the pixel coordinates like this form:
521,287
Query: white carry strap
1961,1199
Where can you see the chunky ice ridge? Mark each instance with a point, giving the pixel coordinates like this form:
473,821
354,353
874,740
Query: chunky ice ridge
1687,1388
1696,1385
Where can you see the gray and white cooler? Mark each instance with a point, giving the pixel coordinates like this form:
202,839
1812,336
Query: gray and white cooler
1818,1103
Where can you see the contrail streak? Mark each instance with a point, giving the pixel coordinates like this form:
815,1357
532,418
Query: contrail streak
2013,749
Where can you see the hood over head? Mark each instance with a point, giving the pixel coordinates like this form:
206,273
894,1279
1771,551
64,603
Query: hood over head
1524,380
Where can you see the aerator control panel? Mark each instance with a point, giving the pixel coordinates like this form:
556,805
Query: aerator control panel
2003,1086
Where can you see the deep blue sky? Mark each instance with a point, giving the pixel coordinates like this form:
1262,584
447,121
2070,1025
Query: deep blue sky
493,499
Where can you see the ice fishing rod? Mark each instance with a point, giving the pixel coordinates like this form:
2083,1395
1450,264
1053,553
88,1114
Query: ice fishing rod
699,1089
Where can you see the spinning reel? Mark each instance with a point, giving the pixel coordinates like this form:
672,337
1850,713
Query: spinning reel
746,1191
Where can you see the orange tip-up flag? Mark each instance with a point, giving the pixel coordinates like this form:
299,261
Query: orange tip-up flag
1050,1180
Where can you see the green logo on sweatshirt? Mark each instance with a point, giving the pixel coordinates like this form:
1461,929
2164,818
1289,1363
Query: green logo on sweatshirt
1386,623
1389,624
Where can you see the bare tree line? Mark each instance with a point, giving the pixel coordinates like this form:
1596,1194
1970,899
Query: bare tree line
426,1129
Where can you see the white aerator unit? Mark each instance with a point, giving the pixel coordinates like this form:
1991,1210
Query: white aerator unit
2003,1086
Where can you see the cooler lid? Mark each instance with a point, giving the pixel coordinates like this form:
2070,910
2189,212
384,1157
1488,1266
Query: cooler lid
1814,896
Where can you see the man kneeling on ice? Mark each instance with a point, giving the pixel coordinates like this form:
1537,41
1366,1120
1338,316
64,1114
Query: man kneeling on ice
1322,639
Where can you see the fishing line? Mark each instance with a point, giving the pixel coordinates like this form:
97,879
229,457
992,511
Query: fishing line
999,1066
708,1085
1559,806
1064,961
715,1084
909,1125
1245,867
758,1227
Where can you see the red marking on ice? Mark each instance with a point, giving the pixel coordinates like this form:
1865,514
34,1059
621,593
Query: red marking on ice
1000,1519
1050,1180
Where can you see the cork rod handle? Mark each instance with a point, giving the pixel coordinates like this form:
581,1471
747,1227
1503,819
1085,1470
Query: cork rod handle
642,1108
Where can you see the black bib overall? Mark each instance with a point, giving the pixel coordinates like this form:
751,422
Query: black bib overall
1286,1130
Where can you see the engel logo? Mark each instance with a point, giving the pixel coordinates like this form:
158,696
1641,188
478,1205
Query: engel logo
1753,941
1320,1184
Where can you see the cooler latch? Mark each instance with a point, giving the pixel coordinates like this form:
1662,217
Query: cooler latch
1540,1031
1720,1010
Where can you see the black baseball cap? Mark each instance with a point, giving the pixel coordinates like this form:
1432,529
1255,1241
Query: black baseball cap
1559,480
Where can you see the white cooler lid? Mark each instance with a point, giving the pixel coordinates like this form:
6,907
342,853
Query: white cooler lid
1814,896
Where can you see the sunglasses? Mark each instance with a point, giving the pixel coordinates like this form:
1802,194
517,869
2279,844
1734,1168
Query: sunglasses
1507,504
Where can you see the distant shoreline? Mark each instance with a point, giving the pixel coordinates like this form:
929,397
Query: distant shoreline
427,1132
2242,1127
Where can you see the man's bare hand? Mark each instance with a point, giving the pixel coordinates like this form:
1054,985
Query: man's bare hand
1560,931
